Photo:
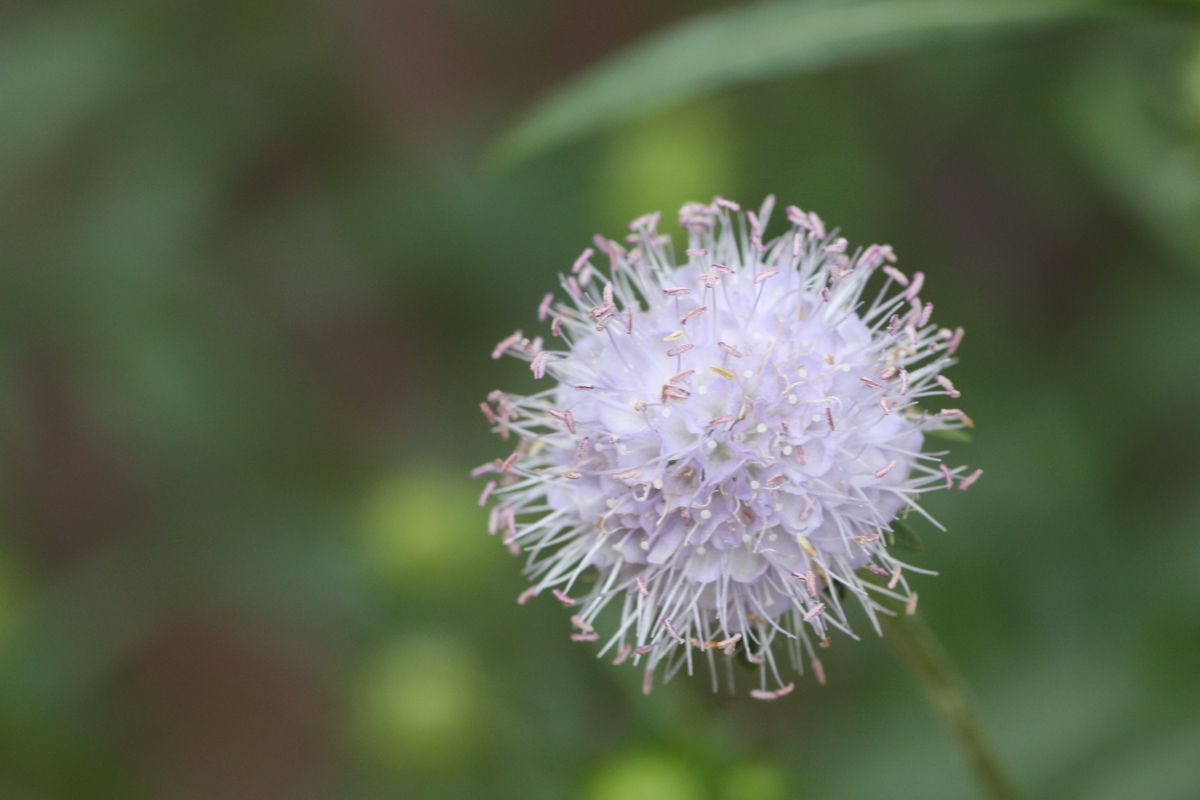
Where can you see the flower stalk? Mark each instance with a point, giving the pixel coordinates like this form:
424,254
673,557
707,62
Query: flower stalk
946,691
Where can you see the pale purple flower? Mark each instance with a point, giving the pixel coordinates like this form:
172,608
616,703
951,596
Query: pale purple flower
724,441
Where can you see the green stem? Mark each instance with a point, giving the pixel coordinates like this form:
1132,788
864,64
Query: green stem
946,691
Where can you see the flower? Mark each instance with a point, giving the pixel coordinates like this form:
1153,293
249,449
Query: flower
725,442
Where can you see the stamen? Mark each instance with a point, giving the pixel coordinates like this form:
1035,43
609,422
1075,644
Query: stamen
969,481
583,259
948,386
544,307
918,280
769,695
506,343
538,366
955,341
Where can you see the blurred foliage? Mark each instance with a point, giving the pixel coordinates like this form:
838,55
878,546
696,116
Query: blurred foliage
256,256
757,41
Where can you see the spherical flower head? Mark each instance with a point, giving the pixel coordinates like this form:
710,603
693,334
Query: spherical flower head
724,442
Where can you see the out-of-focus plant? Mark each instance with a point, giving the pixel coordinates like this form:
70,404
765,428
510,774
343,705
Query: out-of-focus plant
759,41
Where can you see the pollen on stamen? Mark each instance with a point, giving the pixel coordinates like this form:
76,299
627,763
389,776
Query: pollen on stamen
506,343
969,481
544,307
945,383
538,365
914,287
728,348
773,694
955,341
581,261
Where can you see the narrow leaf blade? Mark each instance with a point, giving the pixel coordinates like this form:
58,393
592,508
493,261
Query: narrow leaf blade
712,52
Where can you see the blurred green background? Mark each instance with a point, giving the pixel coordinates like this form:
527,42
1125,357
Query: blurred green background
255,254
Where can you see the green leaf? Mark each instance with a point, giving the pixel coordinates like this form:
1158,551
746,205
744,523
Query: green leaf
711,52
951,435
903,537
